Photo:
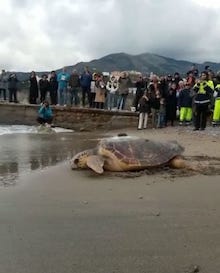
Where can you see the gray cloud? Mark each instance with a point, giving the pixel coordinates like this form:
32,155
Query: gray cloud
44,35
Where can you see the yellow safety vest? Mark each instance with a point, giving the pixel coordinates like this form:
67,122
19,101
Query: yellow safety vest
217,86
203,84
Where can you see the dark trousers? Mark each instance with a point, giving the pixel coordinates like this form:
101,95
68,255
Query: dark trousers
43,93
139,94
92,96
99,105
53,97
43,120
33,100
3,90
201,115
12,94
86,91
74,96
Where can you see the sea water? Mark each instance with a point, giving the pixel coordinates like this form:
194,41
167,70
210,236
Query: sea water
23,149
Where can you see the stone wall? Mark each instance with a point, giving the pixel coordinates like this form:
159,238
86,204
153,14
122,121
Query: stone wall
71,118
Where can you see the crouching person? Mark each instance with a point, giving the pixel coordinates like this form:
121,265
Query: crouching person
45,115
144,109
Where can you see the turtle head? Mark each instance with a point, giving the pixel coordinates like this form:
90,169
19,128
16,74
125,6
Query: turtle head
80,159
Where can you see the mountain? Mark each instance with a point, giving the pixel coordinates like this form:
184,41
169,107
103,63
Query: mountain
144,63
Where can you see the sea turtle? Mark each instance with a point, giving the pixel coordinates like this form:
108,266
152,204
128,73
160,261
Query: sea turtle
128,153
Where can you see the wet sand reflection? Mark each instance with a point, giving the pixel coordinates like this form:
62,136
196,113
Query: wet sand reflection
21,153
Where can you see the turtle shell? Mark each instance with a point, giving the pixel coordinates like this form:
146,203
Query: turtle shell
139,153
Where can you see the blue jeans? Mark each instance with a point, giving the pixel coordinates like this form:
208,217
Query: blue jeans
161,120
62,96
121,101
111,98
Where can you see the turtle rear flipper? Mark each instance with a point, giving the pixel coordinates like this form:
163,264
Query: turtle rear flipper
95,163
178,163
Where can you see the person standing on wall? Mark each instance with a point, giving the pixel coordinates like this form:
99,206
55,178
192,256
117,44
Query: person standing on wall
53,86
44,87
112,87
63,79
124,83
13,87
100,91
3,84
74,84
33,95
93,89
85,83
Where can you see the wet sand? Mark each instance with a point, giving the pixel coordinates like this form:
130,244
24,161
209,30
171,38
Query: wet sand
57,220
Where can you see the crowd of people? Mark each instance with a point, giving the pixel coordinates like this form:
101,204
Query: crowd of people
189,98
10,83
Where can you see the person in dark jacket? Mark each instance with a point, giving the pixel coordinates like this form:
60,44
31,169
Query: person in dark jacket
177,79
204,91
154,94
185,105
53,87
13,87
144,110
162,113
141,87
74,84
44,87
171,104
124,83
164,87
85,83
33,95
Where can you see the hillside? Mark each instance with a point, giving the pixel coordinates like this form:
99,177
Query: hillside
145,63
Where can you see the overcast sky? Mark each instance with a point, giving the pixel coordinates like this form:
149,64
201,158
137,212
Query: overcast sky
43,35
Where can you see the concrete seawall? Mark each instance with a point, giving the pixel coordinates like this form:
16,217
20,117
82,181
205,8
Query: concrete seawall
71,118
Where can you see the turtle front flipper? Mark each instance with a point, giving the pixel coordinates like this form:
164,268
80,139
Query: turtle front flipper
96,163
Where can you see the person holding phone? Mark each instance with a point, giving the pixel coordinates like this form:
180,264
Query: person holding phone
45,115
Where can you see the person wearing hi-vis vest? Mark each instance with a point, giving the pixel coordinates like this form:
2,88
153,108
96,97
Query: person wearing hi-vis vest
185,105
216,112
204,91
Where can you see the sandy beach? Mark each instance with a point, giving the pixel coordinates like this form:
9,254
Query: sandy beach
58,220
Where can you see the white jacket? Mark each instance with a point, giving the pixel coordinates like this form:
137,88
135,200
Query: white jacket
112,85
